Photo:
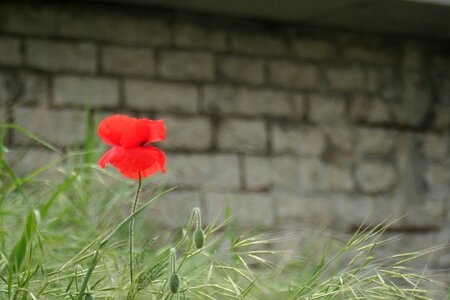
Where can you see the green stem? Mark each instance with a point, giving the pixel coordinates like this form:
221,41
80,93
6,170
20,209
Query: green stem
94,262
191,221
131,227
198,218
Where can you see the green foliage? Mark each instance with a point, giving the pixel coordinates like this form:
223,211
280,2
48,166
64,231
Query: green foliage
63,236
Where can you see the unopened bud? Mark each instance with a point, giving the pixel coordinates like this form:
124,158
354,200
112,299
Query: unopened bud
88,296
174,280
199,238
174,283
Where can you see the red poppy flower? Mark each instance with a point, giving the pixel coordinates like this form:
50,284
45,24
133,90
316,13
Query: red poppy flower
129,137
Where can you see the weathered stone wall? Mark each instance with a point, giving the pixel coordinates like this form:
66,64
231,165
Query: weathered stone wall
288,125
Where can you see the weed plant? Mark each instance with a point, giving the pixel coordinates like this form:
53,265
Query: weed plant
63,235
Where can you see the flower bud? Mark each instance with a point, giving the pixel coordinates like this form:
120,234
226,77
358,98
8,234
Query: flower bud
174,283
174,280
199,238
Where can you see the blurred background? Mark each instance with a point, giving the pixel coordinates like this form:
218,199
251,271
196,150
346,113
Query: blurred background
293,114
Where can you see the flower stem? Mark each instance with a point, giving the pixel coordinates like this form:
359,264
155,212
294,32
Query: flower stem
131,227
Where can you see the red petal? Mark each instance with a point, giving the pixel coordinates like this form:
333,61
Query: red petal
157,131
144,131
121,130
145,173
112,129
107,157
161,160
136,134
132,160
159,165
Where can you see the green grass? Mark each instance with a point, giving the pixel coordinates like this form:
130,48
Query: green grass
65,237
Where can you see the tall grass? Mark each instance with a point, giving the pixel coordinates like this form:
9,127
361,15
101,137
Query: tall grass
63,236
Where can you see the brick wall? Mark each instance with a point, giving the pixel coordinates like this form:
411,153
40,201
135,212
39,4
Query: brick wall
288,125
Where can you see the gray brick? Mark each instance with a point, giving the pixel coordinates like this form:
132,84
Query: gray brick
128,61
60,56
338,211
375,177
437,178
442,116
294,209
28,19
441,60
441,85
410,189
241,69
374,80
350,212
86,91
292,75
35,88
198,36
160,96
247,102
60,127
416,100
10,51
326,109
369,55
367,110
441,106
3,111
173,209
414,56
302,140
271,172
187,133
24,88
430,211
390,86
247,136
247,209
346,79
435,146
187,65
298,105
203,172
313,49
341,136
258,172
375,141
254,43
286,174
317,176
114,26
